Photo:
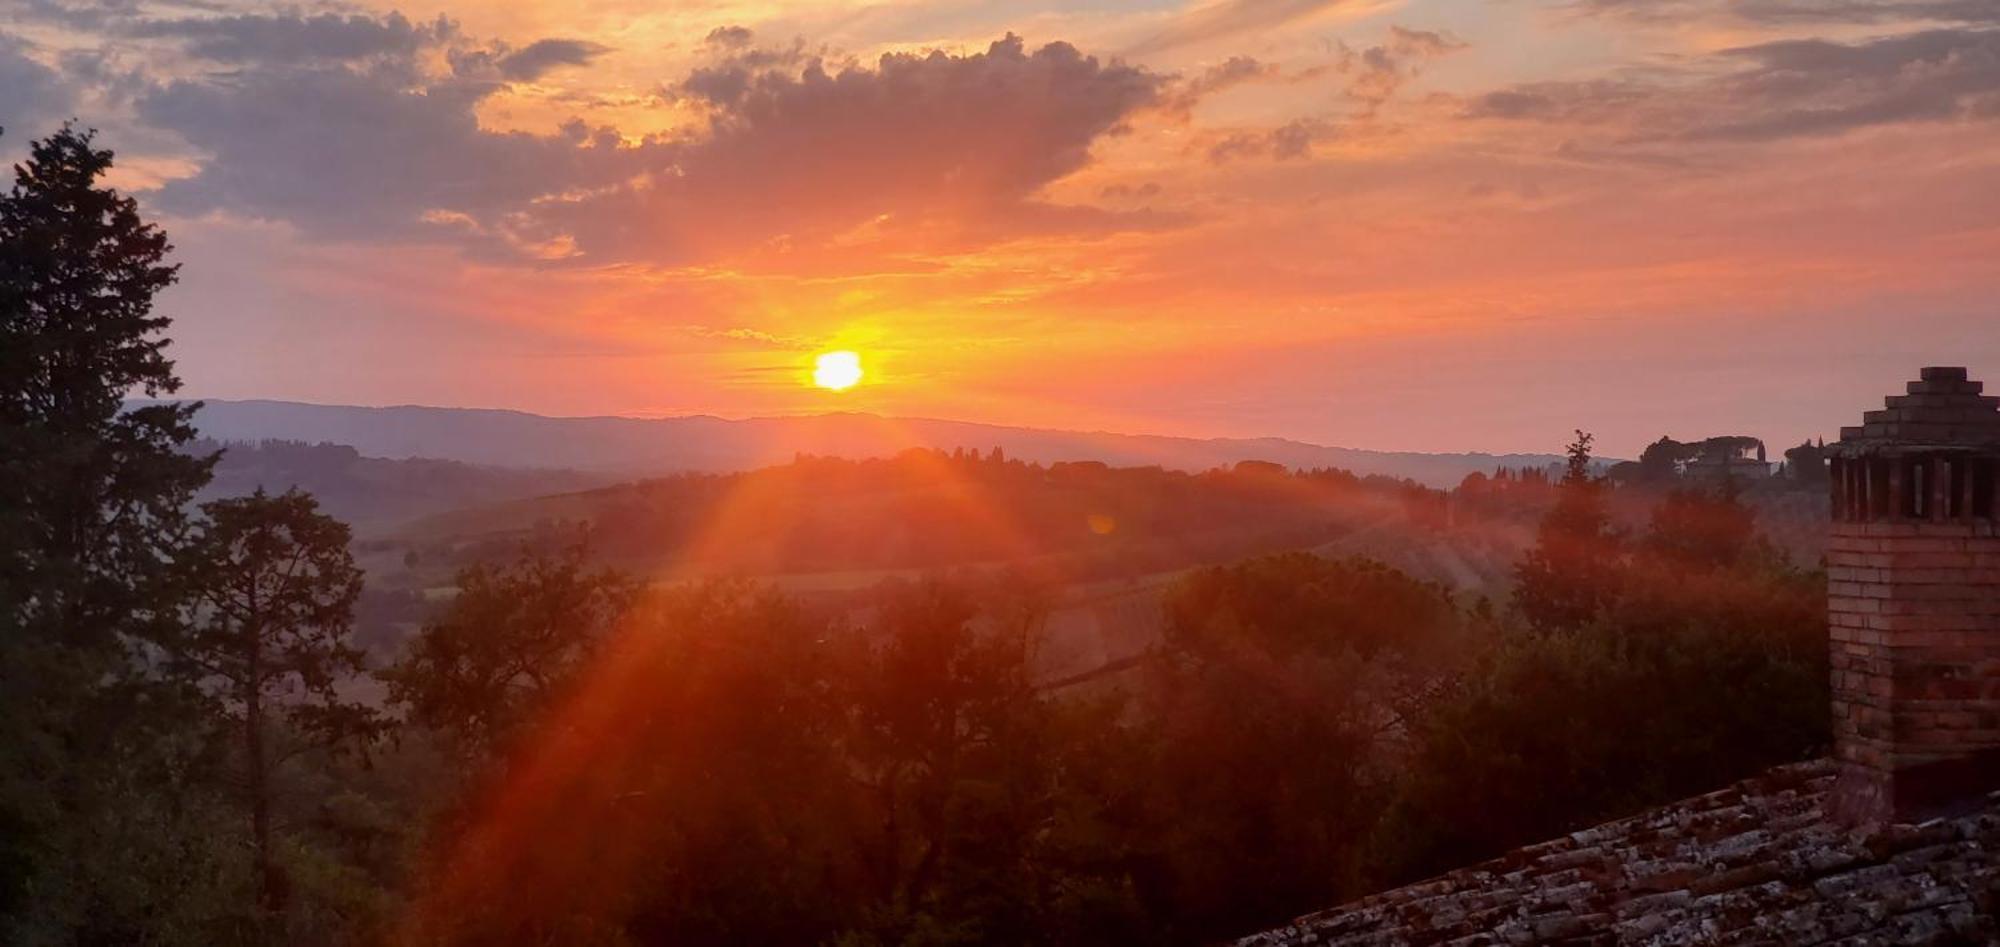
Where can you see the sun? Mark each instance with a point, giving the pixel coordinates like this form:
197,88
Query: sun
837,371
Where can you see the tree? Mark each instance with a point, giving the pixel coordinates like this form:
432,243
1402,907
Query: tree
93,513
512,637
1555,729
268,639
1696,528
1277,678
1662,460
1573,571
91,494
1806,464
951,744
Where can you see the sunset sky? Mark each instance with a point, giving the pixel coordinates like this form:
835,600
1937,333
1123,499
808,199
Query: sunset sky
1427,224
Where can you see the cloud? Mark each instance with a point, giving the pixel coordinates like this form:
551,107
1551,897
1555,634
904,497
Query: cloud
1802,12
1580,102
1368,78
32,95
957,146
728,37
1784,89
293,38
1224,19
538,58
917,150
1291,140
363,154
1377,73
1816,87
1179,101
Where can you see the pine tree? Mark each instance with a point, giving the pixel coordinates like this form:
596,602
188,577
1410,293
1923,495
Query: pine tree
92,513
1573,571
92,496
269,638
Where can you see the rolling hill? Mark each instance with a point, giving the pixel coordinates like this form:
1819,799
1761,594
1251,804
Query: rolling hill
654,446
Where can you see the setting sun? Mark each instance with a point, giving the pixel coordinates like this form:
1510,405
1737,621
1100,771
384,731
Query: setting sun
837,371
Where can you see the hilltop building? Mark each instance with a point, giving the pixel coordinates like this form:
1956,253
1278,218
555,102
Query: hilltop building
1725,458
1895,839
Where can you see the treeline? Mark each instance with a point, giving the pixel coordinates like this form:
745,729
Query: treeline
193,750
931,508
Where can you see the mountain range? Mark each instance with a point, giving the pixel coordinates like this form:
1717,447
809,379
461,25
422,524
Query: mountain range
638,447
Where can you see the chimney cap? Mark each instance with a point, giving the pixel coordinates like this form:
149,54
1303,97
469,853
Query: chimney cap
1943,410
1942,373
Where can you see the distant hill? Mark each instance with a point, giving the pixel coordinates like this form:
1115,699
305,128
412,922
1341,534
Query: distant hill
649,446
373,492
929,509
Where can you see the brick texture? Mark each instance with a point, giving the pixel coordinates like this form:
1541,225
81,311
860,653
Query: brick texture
1913,601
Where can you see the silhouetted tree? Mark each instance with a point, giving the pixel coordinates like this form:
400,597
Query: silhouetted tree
1806,464
93,502
268,639
1277,677
511,638
1700,663
1661,461
1571,573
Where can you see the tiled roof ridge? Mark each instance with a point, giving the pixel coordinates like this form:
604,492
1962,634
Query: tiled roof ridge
1758,861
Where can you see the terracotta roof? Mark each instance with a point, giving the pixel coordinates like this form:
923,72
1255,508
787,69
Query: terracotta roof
1758,863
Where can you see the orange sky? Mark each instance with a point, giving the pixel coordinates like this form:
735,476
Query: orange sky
1420,225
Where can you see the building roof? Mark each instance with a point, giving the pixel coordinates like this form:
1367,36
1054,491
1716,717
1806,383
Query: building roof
1942,409
1759,862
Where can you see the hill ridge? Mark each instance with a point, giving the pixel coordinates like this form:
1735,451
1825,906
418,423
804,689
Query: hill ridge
630,445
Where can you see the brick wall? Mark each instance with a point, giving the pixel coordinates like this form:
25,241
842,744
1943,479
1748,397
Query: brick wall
1914,627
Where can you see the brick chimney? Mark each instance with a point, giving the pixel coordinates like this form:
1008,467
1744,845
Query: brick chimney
1913,602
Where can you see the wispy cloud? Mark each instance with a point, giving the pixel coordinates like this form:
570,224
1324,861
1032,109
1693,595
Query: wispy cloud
1218,21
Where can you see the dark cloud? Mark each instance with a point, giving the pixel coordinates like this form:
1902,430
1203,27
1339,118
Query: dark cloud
1778,90
361,154
1180,100
76,14
1811,87
33,96
292,38
1228,18
793,152
931,142
728,37
536,59
1588,101
1291,140
1869,11
1813,12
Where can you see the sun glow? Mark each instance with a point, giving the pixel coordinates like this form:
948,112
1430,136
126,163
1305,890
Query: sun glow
837,371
